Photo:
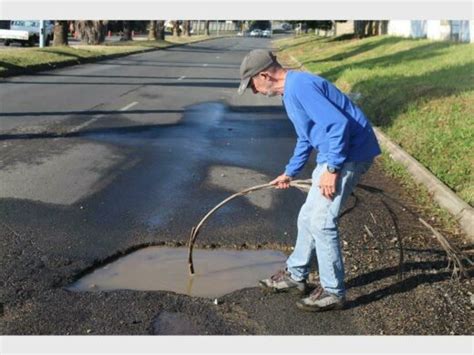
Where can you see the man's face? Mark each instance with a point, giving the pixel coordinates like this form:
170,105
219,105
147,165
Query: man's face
262,83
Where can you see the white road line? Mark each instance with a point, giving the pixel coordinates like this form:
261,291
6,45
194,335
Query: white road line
92,120
84,125
129,106
218,57
181,77
205,65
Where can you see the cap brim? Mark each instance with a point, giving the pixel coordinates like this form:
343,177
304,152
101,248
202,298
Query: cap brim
244,84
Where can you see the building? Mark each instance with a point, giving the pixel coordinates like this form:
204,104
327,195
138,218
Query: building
448,30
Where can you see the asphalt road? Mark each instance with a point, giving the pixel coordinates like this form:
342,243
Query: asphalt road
100,159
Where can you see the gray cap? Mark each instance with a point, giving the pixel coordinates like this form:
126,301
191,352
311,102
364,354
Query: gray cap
254,62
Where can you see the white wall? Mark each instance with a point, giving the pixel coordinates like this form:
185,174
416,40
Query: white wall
399,28
433,29
439,30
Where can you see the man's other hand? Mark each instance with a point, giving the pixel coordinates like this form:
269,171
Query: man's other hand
327,184
282,181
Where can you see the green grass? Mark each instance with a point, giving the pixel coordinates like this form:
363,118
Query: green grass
17,59
420,92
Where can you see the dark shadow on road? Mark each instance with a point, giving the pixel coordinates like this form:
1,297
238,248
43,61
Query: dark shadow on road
215,51
170,64
183,82
56,75
87,113
244,109
85,133
195,118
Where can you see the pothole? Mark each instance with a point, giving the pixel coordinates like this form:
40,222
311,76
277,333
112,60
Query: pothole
218,271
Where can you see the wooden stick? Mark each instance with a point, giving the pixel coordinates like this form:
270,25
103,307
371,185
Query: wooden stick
454,255
303,185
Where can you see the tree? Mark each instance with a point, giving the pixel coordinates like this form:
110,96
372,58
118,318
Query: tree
262,25
152,31
60,33
127,31
369,28
176,30
160,32
206,28
91,32
322,25
187,28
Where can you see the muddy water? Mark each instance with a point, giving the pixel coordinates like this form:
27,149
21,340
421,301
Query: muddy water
218,271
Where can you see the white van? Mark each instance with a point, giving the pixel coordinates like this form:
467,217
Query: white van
27,32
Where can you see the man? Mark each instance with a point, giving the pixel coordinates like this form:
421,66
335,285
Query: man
326,120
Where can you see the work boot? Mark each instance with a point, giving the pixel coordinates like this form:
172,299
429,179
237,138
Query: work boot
282,282
321,300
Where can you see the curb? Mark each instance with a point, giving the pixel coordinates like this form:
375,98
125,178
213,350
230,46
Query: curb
69,63
442,194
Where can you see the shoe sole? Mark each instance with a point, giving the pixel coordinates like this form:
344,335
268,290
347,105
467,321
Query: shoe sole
305,307
282,290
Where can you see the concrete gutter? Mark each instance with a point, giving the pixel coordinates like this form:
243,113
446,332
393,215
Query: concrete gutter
442,194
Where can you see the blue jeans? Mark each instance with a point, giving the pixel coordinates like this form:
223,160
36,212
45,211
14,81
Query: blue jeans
318,229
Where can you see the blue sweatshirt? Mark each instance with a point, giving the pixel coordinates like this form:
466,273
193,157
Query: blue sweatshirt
327,120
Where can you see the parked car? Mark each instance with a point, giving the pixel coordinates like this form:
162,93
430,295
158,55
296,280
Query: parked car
266,33
27,32
256,33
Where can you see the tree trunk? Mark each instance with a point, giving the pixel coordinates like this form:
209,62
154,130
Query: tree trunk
360,28
176,30
72,28
206,28
91,32
161,30
187,28
60,33
127,31
370,28
152,29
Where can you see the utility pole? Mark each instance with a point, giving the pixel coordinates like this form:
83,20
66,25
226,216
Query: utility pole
41,34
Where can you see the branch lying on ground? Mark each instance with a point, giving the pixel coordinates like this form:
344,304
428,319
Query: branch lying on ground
303,185
455,256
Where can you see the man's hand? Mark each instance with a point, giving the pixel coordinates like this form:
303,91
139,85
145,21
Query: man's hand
327,184
282,181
